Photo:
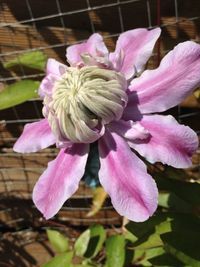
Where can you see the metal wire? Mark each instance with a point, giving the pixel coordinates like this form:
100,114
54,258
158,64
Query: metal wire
13,120
62,14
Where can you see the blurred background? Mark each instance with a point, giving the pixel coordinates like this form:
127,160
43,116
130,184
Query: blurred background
32,31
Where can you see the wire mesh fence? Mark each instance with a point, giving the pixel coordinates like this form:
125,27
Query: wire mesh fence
34,25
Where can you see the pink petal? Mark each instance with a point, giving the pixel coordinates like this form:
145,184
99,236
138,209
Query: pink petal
160,89
135,47
54,67
35,136
47,84
124,176
54,70
60,180
169,143
129,129
93,46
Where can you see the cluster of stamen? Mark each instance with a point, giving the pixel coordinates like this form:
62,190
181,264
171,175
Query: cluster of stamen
83,101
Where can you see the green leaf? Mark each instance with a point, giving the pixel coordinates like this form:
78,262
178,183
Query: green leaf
166,260
90,242
187,191
18,93
145,229
139,256
58,241
129,254
62,260
82,265
185,246
115,251
152,239
130,237
148,233
97,238
172,201
155,257
82,242
34,60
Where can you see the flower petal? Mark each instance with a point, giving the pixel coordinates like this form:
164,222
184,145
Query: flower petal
134,47
54,70
160,89
93,46
35,136
124,176
169,142
60,180
47,84
129,129
55,67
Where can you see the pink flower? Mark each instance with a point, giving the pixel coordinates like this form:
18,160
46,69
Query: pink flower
100,98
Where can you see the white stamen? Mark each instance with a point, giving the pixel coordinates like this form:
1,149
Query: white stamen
83,100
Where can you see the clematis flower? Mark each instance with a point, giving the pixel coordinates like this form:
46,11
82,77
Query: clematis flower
101,98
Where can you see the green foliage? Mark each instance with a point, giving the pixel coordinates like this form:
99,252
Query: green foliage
81,243
23,90
62,260
90,242
33,60
187,192
115,251
176,235
184,246
18,93
170,238
167,239
82,265
97,238
58,241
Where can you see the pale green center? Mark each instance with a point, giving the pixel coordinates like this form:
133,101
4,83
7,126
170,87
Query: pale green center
83,100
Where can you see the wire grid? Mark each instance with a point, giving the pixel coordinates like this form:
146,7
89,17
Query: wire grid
73,21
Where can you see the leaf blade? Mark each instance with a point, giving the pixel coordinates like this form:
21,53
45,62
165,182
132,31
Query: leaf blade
115,251
97,238
58,241
62,260
18,93
184,247
34,60
81,243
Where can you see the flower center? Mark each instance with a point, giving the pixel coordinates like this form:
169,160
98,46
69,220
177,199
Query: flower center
83,100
